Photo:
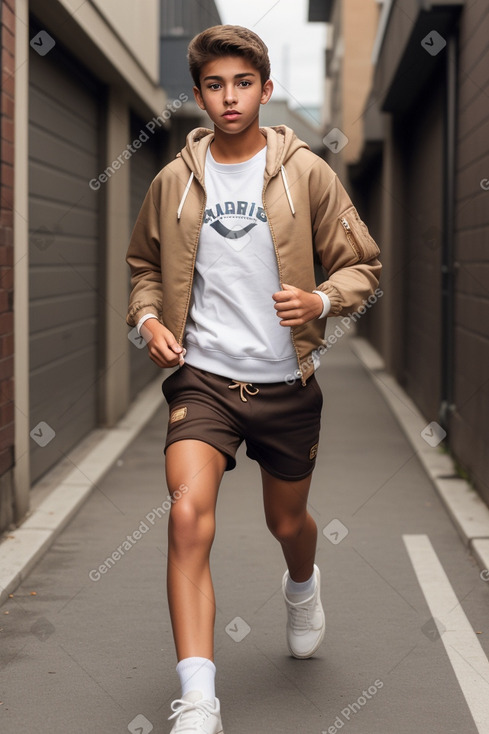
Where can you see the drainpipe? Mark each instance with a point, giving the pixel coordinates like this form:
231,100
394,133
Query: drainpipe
448,265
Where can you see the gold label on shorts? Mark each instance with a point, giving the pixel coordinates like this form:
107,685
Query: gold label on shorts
313,452
178,414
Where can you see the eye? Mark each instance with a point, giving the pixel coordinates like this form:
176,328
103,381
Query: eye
214,86
245,83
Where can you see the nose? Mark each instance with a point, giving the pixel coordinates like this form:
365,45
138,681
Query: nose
230,94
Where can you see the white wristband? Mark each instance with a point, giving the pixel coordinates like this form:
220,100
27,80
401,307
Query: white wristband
326,304
143,319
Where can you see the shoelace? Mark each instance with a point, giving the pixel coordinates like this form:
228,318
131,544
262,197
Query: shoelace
299,618
244,388
192,715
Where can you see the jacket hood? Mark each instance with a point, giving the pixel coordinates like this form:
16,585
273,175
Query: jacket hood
282,143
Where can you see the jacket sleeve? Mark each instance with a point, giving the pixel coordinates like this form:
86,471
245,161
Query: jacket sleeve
143,258
346,250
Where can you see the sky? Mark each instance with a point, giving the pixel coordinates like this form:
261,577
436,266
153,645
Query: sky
296,47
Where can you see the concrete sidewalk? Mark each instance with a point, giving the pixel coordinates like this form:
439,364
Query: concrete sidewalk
86,650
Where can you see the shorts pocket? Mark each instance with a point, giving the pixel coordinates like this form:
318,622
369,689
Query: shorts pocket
316,391
171,383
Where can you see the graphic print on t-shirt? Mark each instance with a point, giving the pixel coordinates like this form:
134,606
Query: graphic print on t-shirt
234,220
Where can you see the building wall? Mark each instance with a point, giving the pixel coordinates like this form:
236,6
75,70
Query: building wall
469,425
422,211
110,50
135,23
103,46
7,409
360,19
353,26
181,20
118,45
350,37
440,361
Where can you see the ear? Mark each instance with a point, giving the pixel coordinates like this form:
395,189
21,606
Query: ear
198,98
266,92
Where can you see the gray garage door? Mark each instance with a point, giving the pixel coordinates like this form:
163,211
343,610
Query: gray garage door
63,256
145,164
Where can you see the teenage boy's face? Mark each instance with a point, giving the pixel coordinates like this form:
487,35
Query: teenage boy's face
231,93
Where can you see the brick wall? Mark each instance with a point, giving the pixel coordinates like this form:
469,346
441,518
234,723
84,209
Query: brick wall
6,264
470,422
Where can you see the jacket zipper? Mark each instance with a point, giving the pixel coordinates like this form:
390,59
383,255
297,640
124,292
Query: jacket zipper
349,236
196,244
303,381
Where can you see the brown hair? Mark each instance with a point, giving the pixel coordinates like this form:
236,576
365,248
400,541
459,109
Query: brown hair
227,40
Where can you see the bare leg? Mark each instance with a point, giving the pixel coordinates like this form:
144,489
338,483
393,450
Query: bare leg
285,505
191,531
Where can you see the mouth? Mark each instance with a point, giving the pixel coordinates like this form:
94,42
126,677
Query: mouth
231,114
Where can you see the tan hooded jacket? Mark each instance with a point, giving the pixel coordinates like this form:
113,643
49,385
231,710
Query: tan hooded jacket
310,217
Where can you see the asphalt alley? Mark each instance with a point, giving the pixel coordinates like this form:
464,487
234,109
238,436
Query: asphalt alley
406,605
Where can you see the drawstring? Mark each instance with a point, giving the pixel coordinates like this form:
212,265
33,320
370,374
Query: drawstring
185,194
284,178
287,190
244,387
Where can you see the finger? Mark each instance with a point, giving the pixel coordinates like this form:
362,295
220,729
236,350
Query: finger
289,315
162,354
163,363
287,306
174,346
181,356
282,296
292,322
290,302
290,288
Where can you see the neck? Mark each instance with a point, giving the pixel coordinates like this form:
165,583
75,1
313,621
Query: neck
237,148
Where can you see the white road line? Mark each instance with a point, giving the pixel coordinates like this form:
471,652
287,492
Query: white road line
464,650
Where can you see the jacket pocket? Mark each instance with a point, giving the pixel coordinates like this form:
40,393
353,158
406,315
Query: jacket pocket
363,245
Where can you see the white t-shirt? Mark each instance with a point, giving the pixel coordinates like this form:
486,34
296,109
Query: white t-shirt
233,328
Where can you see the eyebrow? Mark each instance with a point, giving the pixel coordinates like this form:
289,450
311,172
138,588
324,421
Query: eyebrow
236,76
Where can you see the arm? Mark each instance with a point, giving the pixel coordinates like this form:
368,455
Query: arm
145,301
347,251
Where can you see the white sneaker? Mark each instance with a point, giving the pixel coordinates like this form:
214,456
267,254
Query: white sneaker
305,621
195,715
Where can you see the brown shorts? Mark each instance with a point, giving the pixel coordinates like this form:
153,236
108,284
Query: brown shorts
279,422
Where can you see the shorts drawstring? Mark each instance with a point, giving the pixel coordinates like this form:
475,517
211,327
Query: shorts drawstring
244,387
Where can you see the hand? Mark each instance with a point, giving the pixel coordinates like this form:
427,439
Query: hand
295,306
163,348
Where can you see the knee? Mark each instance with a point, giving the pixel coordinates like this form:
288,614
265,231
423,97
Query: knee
285,529
191,527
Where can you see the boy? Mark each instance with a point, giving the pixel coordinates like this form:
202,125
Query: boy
222,261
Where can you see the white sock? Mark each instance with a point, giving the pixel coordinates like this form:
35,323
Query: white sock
197,674
298,591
